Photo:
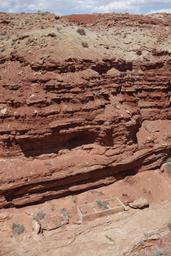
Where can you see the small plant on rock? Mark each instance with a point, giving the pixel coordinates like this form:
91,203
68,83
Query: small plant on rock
167,163
39,216
158,253
51,34
81,31
169,224
85,45
18,229
168,160
102,204
65,213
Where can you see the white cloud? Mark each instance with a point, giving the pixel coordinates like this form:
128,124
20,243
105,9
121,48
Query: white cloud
160,11
117,6
131,5
89,6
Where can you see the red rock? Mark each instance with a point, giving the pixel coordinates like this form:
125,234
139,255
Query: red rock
71,118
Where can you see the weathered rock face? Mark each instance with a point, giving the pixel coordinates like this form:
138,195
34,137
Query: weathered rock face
84,101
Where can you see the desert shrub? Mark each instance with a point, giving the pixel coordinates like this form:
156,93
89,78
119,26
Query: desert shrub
85,45
27,22
52,34
58,29
109,238
57,17
65,213
169,224
157,252
102,204
139,52
39,216
2,49
81,31
168,160
18,228
168,164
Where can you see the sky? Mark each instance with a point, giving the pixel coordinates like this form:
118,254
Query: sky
63,7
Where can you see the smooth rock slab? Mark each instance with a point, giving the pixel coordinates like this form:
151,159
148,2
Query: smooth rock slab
140,203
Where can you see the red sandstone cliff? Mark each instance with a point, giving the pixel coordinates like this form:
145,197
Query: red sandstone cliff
84,101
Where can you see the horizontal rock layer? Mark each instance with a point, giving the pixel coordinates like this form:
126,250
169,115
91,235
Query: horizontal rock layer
73,117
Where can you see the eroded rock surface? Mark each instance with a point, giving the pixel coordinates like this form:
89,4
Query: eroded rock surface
84,101
140,203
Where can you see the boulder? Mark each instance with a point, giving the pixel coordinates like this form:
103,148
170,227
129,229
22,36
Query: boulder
36,226
140,203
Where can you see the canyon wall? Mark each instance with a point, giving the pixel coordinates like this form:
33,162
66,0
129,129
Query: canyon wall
84,101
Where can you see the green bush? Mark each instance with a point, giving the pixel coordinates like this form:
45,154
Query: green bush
18,228
65,213
39,216
167,164
81,31
85,45
168,160
102,204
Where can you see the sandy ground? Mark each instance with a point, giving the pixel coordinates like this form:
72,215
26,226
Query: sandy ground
114,235
111,235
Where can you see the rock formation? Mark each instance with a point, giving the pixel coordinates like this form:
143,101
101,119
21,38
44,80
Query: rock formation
84,101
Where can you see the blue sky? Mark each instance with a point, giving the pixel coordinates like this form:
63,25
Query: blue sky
63,7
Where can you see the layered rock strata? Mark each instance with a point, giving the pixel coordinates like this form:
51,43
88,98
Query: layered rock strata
81,106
